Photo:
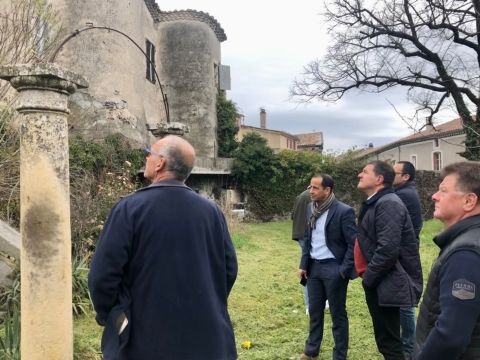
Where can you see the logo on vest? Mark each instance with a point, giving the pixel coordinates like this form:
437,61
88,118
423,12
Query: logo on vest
463,289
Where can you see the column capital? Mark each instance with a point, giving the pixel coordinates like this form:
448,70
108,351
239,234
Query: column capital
46,76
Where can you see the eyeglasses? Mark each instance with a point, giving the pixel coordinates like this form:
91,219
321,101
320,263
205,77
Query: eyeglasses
149,152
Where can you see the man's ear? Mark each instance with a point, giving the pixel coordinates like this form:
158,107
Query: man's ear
471,202
160,165
380,179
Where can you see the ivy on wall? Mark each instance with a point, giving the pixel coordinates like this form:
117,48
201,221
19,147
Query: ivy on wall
227,128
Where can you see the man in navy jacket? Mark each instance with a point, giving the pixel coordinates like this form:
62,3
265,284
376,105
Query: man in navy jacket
406,190
164,267
386,256
327,265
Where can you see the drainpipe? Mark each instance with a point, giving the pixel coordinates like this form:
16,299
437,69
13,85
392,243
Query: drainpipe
46,270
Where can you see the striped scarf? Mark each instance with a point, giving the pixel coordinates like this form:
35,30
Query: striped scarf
319,209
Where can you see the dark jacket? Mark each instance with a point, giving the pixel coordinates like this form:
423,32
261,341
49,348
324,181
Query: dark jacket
299,215
409,195
448,325
340,234
164,261
390,247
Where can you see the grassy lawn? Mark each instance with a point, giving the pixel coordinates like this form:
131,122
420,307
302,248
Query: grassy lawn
266,304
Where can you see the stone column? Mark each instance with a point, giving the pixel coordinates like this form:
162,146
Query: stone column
46,308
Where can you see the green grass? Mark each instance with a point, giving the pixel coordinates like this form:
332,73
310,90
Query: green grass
266,303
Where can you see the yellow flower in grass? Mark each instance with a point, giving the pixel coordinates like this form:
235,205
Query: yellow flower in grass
246,344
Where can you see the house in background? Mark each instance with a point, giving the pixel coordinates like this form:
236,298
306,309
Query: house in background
276,140
430,149
310,141
279,140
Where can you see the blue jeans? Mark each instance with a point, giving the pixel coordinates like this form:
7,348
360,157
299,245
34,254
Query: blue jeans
407,324
301,242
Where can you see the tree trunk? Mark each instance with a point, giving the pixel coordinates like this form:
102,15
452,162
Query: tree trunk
472,136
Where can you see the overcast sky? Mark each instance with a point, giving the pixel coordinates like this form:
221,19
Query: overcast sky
267,45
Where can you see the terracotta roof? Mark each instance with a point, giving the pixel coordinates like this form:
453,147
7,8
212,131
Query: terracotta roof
294,137
164,16
450,128
441,130
310,139
153,8
359,153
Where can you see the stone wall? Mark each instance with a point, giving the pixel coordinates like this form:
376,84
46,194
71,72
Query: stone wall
112,64
120,98
189,55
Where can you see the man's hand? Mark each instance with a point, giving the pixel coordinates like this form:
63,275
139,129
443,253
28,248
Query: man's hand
302,273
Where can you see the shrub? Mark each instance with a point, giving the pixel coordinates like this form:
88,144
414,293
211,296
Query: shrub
91,202
272,181
9,169
81,301
10,341
10,295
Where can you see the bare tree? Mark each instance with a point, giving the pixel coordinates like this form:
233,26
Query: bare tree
29,32
431,47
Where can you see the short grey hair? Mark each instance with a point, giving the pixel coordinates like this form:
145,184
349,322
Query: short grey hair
468,175
176,162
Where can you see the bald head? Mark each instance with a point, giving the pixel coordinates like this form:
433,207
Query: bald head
179,157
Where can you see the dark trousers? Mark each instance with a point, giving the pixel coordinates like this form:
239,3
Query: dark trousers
386,326
325,283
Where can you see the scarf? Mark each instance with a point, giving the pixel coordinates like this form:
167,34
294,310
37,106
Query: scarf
319,209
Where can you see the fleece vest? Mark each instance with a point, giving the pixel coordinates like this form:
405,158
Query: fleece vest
430,307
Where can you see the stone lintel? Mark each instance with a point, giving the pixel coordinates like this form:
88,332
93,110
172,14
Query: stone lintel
212,166
43,75
171,128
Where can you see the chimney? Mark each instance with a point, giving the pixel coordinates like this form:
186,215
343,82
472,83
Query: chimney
263,118
240,120
428,123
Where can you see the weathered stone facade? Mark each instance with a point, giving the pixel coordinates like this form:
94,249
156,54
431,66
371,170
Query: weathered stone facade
120,97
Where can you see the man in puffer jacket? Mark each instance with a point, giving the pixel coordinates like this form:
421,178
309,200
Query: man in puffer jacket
386,257
448,325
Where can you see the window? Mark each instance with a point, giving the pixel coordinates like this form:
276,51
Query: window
413,160
215,76
437,161
150,51
435,142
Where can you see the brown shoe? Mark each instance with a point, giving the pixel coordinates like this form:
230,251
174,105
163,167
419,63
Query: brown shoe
306,357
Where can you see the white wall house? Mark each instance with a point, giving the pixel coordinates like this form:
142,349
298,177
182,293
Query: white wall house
430,149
